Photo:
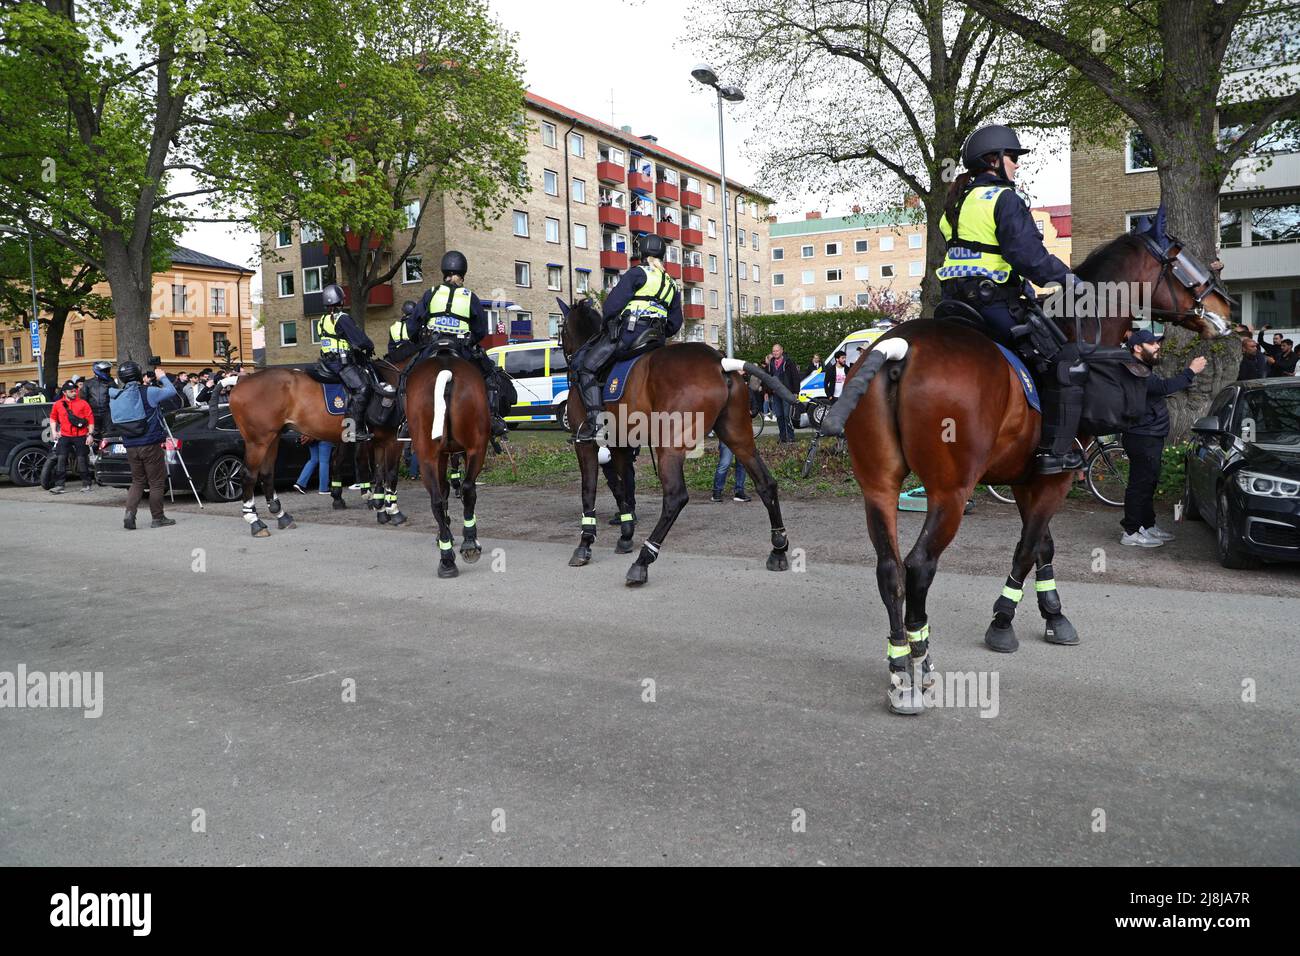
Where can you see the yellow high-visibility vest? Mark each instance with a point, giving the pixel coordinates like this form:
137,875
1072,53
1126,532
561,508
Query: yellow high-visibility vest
449,310
976,225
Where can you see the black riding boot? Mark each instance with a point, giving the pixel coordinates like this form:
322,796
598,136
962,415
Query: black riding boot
594,403
499,427
591,358
357,402
1057,451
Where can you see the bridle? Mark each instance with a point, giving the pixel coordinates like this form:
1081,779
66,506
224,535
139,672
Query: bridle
1193,277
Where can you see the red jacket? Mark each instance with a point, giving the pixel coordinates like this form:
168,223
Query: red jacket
79,407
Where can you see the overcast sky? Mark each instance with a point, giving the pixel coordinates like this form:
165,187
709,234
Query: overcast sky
576,54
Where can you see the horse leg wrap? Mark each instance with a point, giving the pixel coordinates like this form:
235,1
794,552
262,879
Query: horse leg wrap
273,506
1049,601
918,638
453,476
471,522
1005,606
649,551
588,528
779,541
250,514
392,504
446,547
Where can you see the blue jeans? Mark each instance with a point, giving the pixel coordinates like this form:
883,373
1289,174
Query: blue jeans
319,458
412,462
725,459
781,409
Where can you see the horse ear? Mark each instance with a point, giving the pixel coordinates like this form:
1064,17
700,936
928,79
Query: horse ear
564,307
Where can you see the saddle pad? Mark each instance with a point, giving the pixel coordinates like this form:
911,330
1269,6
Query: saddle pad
1026,380
336,398
617,379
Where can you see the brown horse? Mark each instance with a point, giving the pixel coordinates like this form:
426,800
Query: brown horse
671,400
447,409
263,403
952,410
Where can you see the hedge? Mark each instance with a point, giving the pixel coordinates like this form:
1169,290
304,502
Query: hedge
801,334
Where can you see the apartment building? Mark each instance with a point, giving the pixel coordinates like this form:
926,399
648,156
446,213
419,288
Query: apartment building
201,307
594,188
840,261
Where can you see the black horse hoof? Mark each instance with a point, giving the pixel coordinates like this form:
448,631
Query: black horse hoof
285,521
382,517
1001,639
1060,631
471,551
447,570
339,504
581,556
777,561
637,575
397,518
623,546
259,529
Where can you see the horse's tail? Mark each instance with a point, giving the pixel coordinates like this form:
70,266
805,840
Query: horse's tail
889,350
773,384
441,388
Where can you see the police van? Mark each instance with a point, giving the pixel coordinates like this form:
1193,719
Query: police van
814,384
541,378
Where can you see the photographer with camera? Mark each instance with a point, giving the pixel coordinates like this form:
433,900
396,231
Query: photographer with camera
139,419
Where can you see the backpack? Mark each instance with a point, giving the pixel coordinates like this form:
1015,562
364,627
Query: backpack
1114,397
130,413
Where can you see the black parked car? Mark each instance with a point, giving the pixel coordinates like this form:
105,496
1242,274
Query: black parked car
1243,471
214,456
24,441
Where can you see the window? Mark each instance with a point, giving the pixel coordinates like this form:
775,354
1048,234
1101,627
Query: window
758,305
580,236
217,305
413,269
713,298
579,191
313,279
613,242
864,298
778,305
674,254
1139,157
834,275
713,264
695,296
914,240
778,255
887,272
666,175
521,223
576,145
552,230
1037,222
181,342
1229,227
553,321
315,331
582,281
916,268
284,237
807,277
860,245
78,343
778,278
178,297
548,135
834,301
307,232
713,228
744,303
805,252
833,248
740,236
1131,218
886,243
220,344
1277,223
523,275
525,363
753,240
611,154
754,270
709,194
525,320
412,213
753,209
551,182
861,273
810,302
744,270
554,277
613,198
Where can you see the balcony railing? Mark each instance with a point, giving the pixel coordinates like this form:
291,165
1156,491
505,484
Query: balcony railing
693,310
639,223
693,273
640,182
669,230
674,269
692,199
612,216
379,295
692,237
666,192
608,172
613,260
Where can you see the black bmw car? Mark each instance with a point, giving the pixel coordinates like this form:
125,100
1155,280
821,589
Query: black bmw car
214,456
24,441
1243,471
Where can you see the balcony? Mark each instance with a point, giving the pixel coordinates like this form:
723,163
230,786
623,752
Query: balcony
668,230
692,237
666,192
693,310
692,199
1274,261
614,260
379,295
608,172
693,273
641,223
611,216
354,243
1282,173
674,269
640,182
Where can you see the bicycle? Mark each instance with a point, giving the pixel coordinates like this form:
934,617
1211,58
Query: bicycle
1105,470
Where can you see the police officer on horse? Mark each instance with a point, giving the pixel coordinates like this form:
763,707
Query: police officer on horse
344,353
641,313
994,251
451,311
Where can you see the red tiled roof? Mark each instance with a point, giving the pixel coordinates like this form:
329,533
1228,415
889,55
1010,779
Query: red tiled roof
1062,221
631,140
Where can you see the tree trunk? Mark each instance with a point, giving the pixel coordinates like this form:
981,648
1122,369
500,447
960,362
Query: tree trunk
935,247
131,299
53,346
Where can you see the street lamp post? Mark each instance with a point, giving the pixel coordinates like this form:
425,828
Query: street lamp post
35,328
704,73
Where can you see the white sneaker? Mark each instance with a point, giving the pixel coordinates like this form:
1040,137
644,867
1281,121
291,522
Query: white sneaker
1140,539
1154,532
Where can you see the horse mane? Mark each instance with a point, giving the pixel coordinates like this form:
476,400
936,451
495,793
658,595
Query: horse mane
1106,259
583,321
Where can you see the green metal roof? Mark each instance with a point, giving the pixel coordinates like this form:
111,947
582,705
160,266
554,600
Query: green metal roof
805,227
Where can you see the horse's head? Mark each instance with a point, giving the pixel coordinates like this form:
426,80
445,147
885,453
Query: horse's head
580,322
1192,294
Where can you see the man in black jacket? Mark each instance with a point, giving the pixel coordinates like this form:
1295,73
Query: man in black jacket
783,368
1145,442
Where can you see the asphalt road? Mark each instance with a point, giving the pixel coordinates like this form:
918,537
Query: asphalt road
515,697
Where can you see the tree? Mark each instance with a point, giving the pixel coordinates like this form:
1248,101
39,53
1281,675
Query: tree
874,98
362,127
1169,67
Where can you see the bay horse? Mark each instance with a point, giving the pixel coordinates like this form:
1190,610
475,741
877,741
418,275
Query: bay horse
447,411
266,401
952,410
672,398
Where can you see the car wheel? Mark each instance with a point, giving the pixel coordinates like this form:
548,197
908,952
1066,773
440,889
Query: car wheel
1227,544
225,482
26,470
1190,511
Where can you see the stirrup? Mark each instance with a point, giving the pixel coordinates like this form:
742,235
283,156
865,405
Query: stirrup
587,431
1046,463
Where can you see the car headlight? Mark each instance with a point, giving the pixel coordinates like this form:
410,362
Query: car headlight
1267,486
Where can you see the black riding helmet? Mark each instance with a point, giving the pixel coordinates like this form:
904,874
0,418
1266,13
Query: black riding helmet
651,245
130,372
103,370
455,264
331,295
990,139
408,308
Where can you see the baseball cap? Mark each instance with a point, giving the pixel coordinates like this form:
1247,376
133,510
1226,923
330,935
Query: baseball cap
1141,337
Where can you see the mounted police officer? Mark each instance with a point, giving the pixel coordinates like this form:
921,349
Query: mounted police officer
994,251
344,350
641,313
449,310
95,391
402,334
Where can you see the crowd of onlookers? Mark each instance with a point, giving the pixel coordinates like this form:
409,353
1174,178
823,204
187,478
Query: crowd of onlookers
1261,359
193,389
